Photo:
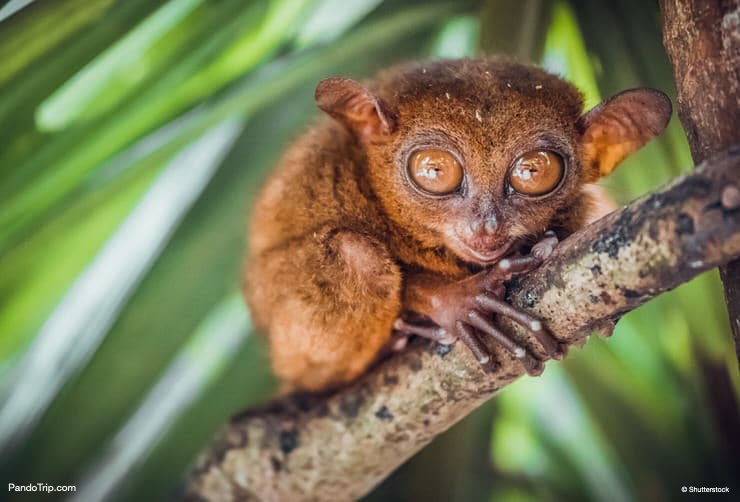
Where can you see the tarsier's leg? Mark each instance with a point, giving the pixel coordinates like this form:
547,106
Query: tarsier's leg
329,300
465,309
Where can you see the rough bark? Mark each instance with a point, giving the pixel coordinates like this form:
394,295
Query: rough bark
702,38
338,447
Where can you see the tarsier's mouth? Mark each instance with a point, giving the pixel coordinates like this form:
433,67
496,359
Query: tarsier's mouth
480,257
488,257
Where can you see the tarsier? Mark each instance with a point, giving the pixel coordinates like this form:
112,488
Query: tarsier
405,212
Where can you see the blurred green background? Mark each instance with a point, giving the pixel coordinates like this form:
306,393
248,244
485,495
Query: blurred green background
134,135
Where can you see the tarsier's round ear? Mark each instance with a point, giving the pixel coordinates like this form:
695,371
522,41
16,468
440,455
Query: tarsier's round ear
354,106
616,128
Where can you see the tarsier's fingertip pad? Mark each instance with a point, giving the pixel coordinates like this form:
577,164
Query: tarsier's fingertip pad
399,344
534,367
558,352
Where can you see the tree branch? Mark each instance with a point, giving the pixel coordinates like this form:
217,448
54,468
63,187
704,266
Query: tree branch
702,38
339,447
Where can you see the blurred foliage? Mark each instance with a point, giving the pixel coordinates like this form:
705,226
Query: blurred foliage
135,133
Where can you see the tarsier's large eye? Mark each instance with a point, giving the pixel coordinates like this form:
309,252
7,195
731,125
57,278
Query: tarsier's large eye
435,171
537,172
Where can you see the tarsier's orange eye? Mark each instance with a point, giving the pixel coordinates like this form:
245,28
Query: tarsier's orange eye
537,172
435,171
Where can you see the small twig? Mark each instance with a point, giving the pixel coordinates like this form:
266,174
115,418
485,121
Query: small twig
339,447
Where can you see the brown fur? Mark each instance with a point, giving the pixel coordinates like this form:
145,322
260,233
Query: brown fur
339,236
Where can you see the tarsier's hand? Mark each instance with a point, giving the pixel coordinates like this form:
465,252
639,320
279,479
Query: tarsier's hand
464,310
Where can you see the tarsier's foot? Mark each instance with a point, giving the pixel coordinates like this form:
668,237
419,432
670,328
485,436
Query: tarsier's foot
465,311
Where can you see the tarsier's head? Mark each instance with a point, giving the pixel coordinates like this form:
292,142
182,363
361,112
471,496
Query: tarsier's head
476,156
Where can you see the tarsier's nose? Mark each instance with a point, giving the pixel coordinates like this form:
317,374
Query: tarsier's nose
487,225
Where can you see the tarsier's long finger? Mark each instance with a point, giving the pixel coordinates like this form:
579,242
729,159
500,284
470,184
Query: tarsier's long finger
425,331
482,323
493,304
509,266
468,337
497,306
467,334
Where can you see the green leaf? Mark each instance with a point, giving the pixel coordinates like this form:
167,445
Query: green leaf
41,27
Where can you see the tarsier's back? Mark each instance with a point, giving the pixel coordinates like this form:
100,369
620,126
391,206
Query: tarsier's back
406,212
